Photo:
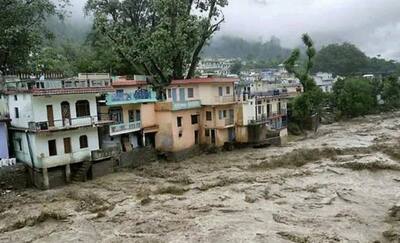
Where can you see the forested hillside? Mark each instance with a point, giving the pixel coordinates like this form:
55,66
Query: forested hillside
235,47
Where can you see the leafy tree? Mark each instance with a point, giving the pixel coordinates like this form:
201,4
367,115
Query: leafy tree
236,68
391,93
341,59
22,29
310,103
354,97
161,38
303,73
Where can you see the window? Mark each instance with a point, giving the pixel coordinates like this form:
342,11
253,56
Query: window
67,146
179,121
83,142
131,115
82,108
169,93
195,119
220,91
190,93
224,113
207,132
16,112
228,90
208,116
52,147
15,97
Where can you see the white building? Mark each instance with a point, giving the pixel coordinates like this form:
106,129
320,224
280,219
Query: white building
215,67
54,122
325,81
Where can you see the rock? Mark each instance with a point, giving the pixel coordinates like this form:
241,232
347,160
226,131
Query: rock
250,198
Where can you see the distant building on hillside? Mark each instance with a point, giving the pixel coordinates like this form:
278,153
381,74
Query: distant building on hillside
325,81
215,67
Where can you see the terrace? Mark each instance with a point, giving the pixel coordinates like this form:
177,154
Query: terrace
139,96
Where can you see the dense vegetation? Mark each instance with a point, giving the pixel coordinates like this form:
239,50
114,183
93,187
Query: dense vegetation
347,60
233,47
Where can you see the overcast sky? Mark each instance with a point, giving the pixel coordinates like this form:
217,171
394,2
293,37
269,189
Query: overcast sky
373,25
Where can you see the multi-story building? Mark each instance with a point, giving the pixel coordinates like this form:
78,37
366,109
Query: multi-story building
196,111
131,107
261,115
54,123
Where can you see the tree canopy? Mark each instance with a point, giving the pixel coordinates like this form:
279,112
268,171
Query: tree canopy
160,38
347,60
22,29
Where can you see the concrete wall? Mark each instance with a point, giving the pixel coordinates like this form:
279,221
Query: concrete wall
40,105
3,105
242,135
3,141
148,115
40,149
102,168
168,137
25,107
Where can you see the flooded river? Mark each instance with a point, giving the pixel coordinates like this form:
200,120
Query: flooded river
339,185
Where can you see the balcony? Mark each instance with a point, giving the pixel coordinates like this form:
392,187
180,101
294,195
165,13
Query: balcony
224,99
67,123
177,106
229,122
123,128
139,96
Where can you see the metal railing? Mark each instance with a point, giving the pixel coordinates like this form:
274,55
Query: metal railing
141,95
224,99
229,121
184,105
62,124
125,127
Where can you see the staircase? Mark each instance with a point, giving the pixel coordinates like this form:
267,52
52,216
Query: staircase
80,175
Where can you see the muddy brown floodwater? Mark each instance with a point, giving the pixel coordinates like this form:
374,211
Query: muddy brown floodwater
339,185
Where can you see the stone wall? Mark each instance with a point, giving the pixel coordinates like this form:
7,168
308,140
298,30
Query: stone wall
14,177
102,168
137,157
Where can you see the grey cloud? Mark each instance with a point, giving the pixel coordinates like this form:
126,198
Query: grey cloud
373,25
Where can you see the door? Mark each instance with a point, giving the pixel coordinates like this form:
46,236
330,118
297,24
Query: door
50,116
279,108
67,146
196,137
174,95
212,136
65,113
231,134
182,96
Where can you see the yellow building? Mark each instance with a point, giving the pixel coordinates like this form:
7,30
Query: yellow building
196,111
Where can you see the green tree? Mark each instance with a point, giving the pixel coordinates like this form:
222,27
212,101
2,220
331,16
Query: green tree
22,29
303,73
341,59
310,103
161,38
391,93
236,68
354,97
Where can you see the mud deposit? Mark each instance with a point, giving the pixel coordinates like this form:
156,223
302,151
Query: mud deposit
340,185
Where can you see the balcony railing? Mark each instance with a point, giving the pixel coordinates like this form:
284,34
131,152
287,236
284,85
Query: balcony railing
139,96
72,84
177,106
229,121
224,99
185,105
66,123
123,128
